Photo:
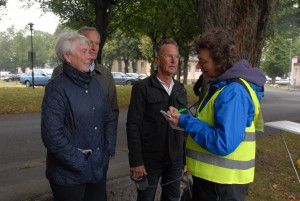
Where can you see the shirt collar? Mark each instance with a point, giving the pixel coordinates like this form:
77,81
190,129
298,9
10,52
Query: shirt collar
92,66
168,90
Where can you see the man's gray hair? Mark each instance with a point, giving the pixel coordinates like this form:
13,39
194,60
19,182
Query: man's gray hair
86,28
165,42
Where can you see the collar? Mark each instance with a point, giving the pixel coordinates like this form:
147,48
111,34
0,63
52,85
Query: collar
92,66
79,78
168,90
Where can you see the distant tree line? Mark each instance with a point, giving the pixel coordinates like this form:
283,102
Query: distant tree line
131,29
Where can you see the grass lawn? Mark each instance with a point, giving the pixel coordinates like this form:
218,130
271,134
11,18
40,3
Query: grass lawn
275,179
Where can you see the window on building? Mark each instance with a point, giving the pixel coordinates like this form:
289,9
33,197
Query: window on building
142,64
189,68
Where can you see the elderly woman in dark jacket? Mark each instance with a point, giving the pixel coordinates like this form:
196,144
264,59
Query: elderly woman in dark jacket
77,126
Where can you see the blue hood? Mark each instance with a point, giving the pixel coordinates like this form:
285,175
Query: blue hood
242,69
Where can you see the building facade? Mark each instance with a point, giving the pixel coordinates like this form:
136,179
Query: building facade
295,73
144,67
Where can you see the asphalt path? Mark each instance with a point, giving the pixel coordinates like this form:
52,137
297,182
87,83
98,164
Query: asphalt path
22,155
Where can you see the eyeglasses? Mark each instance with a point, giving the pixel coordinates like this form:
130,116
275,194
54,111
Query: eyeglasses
170,56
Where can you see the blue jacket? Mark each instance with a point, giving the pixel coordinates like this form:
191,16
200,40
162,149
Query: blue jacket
75,117
234,110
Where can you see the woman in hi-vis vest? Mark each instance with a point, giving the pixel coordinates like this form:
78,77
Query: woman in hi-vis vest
220,149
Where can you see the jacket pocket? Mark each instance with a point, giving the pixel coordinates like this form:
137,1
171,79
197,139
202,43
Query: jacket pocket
182,100
154,97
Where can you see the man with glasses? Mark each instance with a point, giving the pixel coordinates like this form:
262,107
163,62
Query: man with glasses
155,149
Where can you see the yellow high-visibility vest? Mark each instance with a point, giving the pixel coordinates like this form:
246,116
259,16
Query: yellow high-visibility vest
235,168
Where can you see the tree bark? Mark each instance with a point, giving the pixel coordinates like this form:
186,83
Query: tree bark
102,12
246,20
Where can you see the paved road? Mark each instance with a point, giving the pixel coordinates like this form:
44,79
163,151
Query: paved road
22,156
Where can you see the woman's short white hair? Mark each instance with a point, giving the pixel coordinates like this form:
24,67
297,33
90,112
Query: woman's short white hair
66,43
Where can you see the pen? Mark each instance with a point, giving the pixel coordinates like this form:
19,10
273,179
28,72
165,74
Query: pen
182,110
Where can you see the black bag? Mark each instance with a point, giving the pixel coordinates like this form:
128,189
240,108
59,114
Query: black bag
187,191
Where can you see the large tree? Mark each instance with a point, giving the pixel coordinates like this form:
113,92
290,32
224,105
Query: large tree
74,14
123,48
246,20
164,19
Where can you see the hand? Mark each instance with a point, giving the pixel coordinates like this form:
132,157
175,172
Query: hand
138,171
175,116
184,168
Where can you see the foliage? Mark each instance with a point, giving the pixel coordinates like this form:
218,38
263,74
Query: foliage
286,19
15,46
146,47
2,7
75,14
122,47
3,2
283,37
163,19
276,56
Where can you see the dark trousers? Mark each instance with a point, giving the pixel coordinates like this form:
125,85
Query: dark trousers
83,192
169,171
204,190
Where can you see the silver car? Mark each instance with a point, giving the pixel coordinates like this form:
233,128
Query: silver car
123,79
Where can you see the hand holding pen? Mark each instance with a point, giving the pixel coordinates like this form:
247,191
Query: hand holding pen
175,114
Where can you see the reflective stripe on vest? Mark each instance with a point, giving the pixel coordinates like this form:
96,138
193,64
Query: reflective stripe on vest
218,161
235,168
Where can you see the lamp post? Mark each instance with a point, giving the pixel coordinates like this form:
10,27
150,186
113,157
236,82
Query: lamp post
290,66
31,53
14,60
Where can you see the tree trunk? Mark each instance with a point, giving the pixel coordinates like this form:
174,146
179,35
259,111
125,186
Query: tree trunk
185,68
102,9
246,20
126,62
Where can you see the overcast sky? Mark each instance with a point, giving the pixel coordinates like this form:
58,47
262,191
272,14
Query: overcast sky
15,15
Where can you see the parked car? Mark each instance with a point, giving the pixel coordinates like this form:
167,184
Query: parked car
134,75
142,76
41,77
282,81
11,77
269,80
137,76
123,79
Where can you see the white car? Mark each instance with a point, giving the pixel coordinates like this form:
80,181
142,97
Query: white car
282,81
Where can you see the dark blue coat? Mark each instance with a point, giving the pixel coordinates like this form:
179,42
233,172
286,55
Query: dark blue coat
75,117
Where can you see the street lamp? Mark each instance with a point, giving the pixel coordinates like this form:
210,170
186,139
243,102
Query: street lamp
31,53
290,66
14,60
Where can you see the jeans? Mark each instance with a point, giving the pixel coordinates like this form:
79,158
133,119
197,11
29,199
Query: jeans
81,192
211,191
168,171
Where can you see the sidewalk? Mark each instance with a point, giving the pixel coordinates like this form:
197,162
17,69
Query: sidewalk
120,189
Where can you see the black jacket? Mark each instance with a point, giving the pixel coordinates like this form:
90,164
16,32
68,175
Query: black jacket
149,135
